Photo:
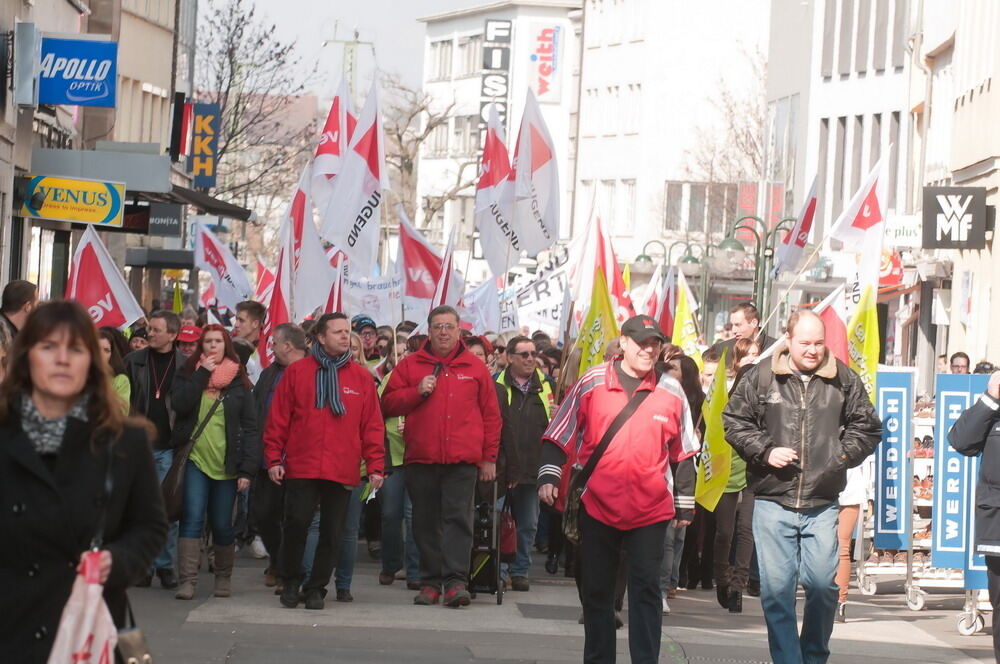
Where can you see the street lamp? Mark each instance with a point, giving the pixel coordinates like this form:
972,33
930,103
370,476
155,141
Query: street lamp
734,251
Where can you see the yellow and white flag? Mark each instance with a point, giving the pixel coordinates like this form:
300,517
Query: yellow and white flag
715,459
599,326
685,329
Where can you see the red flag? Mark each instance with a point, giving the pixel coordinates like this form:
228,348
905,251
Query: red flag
833,312
333,143
495,202
421,263
265,283
536,176
607,262
335,302
96,283
207,298
789,252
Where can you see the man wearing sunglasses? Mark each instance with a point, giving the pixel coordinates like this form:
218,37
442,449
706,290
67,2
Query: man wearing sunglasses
526,404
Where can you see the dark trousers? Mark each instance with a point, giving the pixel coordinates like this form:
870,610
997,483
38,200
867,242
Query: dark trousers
697,559
267,508
600,548
993,581
442,497
301,498
733,516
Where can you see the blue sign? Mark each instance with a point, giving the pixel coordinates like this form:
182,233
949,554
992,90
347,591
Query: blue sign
78,72
975,564
893,496
204,144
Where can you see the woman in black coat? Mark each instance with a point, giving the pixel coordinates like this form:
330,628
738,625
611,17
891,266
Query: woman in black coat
223,459
60,427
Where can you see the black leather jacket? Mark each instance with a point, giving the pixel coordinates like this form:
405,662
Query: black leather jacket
977,432
828,420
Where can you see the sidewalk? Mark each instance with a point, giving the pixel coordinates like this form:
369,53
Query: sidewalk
382,625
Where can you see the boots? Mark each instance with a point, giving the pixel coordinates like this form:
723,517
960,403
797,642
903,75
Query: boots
224,569
188,557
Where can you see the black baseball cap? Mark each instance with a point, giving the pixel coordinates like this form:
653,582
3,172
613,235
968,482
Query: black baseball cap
642,328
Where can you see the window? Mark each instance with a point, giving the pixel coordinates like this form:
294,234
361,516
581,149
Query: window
631,108
595,23
673,199
440,60
876,140
893,157
470,52
824,142
465,135
717,208
610,110
881,34
838,166
613,21
864,23
437,144
696,208
607,206
628,206
844,49
829,21
858,142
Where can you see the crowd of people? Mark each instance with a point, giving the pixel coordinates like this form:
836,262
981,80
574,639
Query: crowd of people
358,429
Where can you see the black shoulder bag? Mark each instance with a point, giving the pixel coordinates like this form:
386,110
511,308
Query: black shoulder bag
579,478
173,482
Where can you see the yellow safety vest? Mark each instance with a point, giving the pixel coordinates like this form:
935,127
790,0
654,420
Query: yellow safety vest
546,393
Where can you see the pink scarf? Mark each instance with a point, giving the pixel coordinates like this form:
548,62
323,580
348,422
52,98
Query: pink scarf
222,376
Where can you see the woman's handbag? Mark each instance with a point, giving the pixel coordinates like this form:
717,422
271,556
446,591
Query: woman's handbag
508,533
579,478
173,482
132,645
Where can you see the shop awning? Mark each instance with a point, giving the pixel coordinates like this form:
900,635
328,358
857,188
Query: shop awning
205,203
171,259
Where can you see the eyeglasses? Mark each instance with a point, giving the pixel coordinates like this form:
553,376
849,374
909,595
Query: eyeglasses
368,333
527,355
960,366
444,327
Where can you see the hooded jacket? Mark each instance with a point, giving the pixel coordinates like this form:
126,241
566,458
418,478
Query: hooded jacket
459,422
977,432
828,420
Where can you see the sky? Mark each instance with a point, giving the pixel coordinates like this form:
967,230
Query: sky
390,24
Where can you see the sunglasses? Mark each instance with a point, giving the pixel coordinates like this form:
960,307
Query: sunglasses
526,355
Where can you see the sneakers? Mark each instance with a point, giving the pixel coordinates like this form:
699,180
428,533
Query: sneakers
428,595
344,595
666,607
257,549
519,583
456,596
314,600
386,579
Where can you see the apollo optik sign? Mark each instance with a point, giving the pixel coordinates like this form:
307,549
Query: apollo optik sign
75,200
78,72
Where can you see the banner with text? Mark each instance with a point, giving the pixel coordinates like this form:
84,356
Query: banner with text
893,494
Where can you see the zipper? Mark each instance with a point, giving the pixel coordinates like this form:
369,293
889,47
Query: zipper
802,443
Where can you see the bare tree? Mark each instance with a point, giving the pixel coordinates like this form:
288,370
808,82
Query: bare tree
256,80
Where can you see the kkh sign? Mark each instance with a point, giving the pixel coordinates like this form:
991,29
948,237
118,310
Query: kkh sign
78,72
75,200
204,144
954,218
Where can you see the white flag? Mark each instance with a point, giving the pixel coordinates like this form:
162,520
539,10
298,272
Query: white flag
353,215
97,283
231,283
495,201
788,253
482,307
334,142
536,177
310,276
864,212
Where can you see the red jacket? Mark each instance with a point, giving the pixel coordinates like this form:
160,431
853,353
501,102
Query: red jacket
632,485
459,422
313,443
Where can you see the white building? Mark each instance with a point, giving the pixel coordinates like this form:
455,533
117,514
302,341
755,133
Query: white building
472,57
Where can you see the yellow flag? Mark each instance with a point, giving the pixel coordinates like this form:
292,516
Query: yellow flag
685,332
599,326
178,300
627,277
863,341
715,459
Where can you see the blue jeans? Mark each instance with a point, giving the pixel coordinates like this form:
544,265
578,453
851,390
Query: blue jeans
670,568
524,504
349,541
397,528
797,547
203,494
165,559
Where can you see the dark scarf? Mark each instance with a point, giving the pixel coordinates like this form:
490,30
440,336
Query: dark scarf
327,379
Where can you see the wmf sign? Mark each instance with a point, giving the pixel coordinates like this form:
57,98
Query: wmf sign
954,218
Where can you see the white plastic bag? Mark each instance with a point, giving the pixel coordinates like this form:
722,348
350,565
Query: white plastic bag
86,632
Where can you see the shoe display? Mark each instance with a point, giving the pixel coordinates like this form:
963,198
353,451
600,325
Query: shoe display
314,600
841,616
428,595
257,549
386,579
666,607
734,601
722,595
457,596
344,595
520,583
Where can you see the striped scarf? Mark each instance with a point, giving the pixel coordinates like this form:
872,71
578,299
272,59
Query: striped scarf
327,379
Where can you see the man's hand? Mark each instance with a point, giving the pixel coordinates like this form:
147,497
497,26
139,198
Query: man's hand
488,471
242,484
105,561
782,456
375,482
276,473
681,524
427,385
548,494
993,389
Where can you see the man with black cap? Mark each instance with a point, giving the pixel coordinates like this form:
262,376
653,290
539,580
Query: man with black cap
363,326
631,432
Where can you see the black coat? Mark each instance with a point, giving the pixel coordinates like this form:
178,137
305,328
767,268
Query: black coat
243,442
829,422
524,421
137,370
977,432
48,517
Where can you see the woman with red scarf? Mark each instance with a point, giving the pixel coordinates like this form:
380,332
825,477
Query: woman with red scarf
214,408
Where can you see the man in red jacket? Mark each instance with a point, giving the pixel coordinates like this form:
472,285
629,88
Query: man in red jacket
324,419
452,435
